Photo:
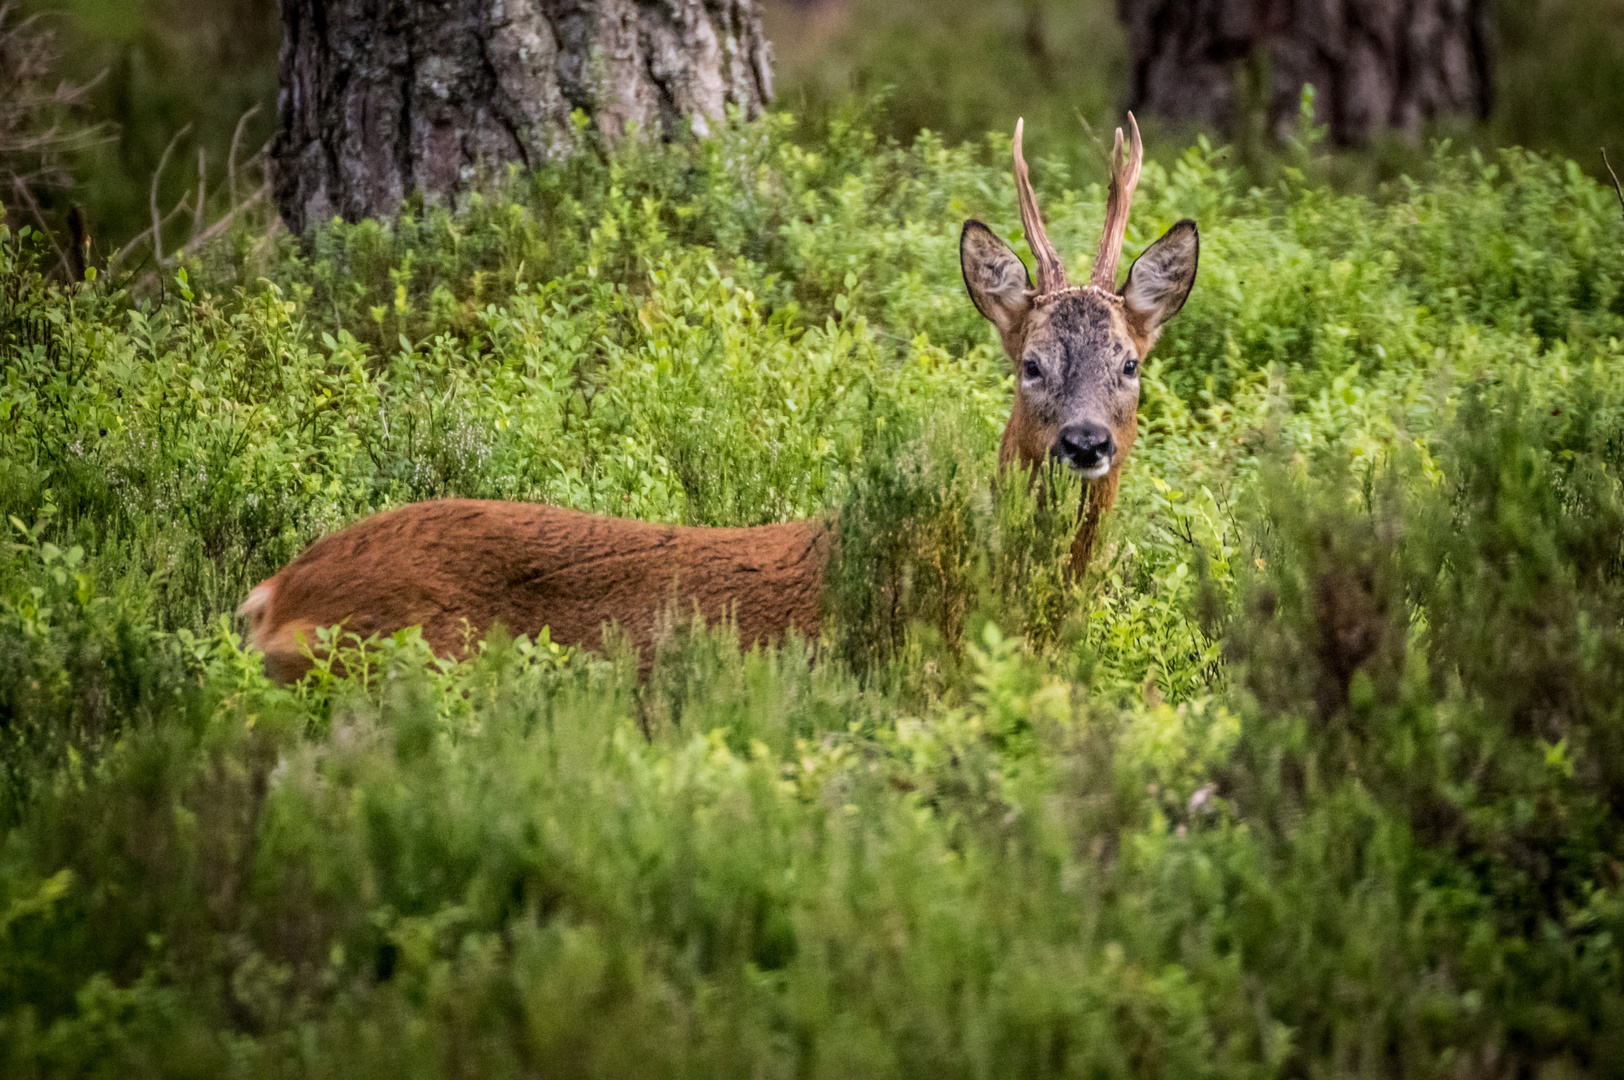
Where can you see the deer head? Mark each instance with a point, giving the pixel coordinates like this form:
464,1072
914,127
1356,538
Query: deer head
1077,349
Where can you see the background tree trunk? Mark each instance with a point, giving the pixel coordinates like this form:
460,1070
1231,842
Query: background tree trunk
1374,63
383,97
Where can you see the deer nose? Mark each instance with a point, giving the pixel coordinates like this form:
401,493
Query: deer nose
1085,447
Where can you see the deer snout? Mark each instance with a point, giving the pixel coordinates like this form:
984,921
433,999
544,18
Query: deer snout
1088,448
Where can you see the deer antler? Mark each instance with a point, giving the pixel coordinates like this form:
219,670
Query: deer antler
1124,178
1051,271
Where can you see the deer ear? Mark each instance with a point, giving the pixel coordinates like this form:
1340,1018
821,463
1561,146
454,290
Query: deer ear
995,277
1161,279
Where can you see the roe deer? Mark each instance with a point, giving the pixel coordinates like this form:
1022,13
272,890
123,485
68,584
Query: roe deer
458,565
1077,349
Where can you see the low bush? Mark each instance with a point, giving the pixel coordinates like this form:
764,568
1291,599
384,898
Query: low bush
1315,773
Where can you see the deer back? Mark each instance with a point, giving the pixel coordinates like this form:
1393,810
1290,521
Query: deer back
456,567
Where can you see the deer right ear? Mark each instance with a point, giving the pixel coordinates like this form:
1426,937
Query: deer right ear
995,277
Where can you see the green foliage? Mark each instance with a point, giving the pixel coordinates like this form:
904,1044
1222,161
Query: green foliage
1559,74
1431,671
933,539
1317,772
960,68
949,66
952,66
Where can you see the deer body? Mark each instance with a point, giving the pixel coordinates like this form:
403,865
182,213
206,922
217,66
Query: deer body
456,567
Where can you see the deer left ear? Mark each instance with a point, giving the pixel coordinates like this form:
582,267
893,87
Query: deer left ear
1161,279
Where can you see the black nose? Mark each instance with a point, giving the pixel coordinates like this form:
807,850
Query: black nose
1084,446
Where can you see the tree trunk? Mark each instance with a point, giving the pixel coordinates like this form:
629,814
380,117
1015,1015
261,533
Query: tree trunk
1374,64
384,97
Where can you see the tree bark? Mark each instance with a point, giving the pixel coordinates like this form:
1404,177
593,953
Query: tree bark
384,97
1374,64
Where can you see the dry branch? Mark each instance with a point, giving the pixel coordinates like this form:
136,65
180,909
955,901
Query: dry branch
27,196
36,131
1618,188
219,228
142,237
157,222
231,157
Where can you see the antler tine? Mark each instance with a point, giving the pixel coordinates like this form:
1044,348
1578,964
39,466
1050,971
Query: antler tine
1124,178
1051,271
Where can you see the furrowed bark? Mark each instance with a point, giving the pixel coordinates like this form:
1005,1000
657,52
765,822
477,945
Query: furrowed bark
384,97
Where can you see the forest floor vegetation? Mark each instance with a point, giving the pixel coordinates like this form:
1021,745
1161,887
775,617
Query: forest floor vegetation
1319,772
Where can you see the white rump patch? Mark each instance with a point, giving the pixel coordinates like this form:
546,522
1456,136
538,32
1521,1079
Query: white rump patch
259,600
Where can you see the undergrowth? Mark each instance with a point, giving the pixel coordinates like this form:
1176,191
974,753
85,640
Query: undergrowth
1317,772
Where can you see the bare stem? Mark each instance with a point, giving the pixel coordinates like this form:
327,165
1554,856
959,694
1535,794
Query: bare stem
39,217
184,204
231,158
225,222
202,191
1618,188
157,220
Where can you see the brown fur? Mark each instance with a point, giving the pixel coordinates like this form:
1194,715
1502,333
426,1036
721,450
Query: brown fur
1028,440
457,566
1077,351
1081,340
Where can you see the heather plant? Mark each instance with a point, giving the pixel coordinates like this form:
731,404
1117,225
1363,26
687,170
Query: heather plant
1315,772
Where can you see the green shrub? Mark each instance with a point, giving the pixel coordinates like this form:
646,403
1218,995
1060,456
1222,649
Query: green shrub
1316,772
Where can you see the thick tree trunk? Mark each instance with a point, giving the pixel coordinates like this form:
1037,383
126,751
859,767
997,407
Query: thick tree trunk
384,97
1374,64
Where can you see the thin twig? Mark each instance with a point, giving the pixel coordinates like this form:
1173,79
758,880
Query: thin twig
202,191
231,159
30,157
157,222
1088,129
25,23
141,238
225,222
1619,189
28,197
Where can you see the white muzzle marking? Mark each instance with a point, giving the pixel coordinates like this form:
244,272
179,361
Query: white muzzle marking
1096,472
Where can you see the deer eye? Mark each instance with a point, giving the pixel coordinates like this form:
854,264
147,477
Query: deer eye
1131,367
1031,370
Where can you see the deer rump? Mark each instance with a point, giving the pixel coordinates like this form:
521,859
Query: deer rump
456,567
